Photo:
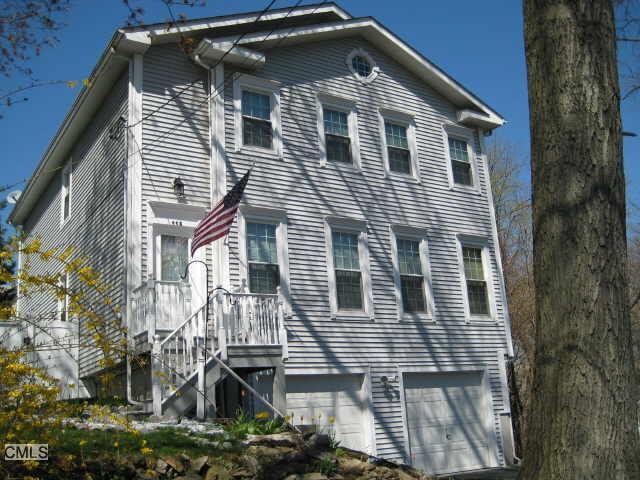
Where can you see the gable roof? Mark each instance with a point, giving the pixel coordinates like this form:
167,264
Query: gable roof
285,25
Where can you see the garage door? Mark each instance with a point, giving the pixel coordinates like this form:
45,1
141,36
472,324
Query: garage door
316,398
447,418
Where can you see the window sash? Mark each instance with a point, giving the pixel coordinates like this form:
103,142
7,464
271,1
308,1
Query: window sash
478,297
396,135
174,256
257,132
336,122
345,251
256,105
458,150
462,173
349,289
361,65
63,303
473,268
338,148
409,262
264,278
262,243
412,289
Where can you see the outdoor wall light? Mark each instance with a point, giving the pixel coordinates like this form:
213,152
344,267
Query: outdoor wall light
178,187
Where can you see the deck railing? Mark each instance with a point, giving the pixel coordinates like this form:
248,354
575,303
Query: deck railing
159,306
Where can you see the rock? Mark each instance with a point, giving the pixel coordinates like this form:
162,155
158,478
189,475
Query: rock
189,476
314,476
218,472
161,466
319,441
276,440
198,464
293,476
353,466
175,463
227,445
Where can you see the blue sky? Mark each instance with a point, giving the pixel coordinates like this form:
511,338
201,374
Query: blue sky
478,43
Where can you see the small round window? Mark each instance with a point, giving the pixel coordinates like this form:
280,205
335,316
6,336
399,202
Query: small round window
362,66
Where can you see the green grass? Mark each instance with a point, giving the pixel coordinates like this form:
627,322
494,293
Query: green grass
164,441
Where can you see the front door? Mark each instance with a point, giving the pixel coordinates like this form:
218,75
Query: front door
172,256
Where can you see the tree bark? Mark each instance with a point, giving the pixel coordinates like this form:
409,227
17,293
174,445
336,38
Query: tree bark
583,422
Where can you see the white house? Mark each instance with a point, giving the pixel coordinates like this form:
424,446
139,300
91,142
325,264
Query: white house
361,279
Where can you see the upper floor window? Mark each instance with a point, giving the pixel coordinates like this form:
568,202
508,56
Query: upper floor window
411,272
256,120
174,256
346,264
397,148
65,191
257,114
476,282
411,276
348,268
476,278
263,251
338,131
362,66
262,258
460,163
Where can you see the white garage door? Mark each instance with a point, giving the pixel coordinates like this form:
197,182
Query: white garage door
317,398
447,418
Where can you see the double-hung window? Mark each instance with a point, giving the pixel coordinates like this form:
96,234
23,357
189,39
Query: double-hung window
262,258
476,278
174,256
256,103
476,283
411,272
399,150
348,276
256,120
397,147
338,131
460,162
65,192
411,276
336,136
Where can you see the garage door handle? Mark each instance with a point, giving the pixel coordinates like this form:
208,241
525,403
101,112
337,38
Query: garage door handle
448,436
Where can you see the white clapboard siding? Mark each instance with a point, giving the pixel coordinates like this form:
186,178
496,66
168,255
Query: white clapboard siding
96,225
309,192
175,136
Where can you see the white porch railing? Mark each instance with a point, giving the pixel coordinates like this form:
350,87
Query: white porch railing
234,319
159,305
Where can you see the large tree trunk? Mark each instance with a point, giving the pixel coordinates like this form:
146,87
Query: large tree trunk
583,422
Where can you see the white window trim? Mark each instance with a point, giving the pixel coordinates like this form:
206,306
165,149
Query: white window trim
275,217
67,169
466,135
482,243
406,120
345,224
419,235
266,87
342,104
375,69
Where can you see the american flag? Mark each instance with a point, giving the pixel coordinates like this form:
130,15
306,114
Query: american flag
217,222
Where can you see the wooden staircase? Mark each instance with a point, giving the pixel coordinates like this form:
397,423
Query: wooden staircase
229,331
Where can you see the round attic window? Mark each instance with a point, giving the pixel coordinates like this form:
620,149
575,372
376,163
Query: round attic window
362,66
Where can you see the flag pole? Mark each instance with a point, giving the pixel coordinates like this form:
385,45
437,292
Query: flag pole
203,414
